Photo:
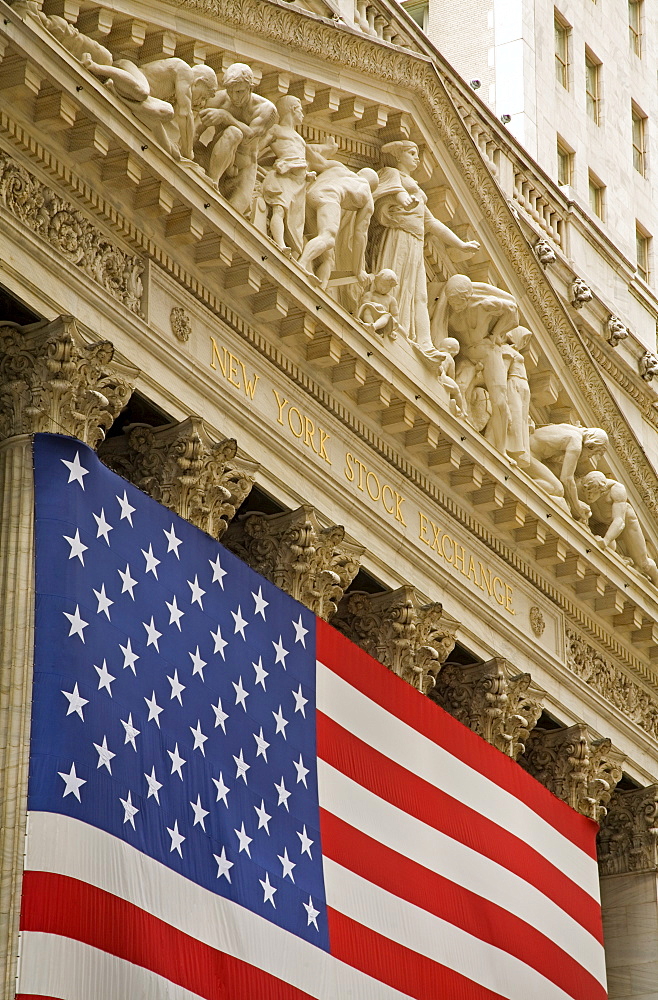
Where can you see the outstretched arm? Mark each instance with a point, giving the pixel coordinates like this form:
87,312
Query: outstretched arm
433,227
619,508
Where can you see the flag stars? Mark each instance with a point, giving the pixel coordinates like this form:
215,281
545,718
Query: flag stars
77,546
222,789
220,715
240,622
300,701
177,839
283,793
197,663
263,817
76,702
105,755
129,810
199,813
260,603
105,678
268,890
127,510
241,694
153,634
300,632
154,785
281,723
306,842
199,738
77,622
176,688
223,865
281,653
311,913
287,865
72,783
241,767
220,643
261,745
129,658
104,602
131,732
154,710
103,526
218,573
176,762
173,543
151,562
244,839
77,472
197,592
261,673
301,771
175,614
128,584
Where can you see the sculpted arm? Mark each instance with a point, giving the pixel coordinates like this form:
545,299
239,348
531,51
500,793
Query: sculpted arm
572,454
619,504
433,227
184,112
361,223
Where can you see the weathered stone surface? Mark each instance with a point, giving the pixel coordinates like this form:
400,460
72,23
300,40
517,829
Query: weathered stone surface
628,838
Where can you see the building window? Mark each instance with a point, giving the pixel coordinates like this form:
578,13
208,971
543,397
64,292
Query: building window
642,251
635,26
592,86
596,195
561,51
639,140
564,164
418,10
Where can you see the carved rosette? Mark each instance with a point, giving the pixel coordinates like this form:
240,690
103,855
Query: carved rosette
181,324
580,770
493,700
315,565
52,381
401,630
628,838
182,467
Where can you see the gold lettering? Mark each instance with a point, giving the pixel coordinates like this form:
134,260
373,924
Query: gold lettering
309,432
436,540
379,489
322,453
349,471
460,559
485,575
472,574
362,469
293,409
499,598
398,512
280,403
233,370
448,558
389,510
214,353
508,600
422,526
249,384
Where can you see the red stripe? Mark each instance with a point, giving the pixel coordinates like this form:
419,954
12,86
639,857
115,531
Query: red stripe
34,996
460,907
430,805
56,904
384,688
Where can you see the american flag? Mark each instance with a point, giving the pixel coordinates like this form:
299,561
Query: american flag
230,800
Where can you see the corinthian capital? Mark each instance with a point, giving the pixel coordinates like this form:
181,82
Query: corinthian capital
408,635
628,838
52,381
311,563
182,467
580,770
493,700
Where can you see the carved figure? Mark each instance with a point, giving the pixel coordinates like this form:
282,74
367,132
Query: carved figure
573,450
545,252
378,308
517,444
187,88
648,366
241,121
580,293
335,192
403,223
609,502
616,331
447,351
284,186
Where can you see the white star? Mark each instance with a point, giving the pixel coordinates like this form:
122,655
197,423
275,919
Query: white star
240,622
244,840
281,723
241,694
263,817
176,687
199,813
152,633
104,527
131,732
78,624
77,547
128,583
76,702
176,839
218,573
129,810
307,843
197,592
223,865
260,603
104,755
129,658
154,785
173,542
268,890
300,632
197,663
126,510
241,767
301,771
281,653
199,738
222,789
154,710
175,614
176,762
300,701
76,471
220,715
72,782
105,678
287,865
219,642
151,562
104,603
261,674
284,794
312,913
261,744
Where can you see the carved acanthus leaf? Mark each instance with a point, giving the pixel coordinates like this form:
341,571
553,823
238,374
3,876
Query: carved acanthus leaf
411,637
574,766
313,564
493,700
628,838
182,467
52,381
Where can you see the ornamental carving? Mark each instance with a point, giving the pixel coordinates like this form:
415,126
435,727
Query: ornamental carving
52,381
182,467
574,766
545,253
628,838
496,702
409,636
181,324
580,293
537,621
648,366
313,564
69,233
616,331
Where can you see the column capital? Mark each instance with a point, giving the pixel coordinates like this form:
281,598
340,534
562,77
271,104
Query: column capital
628,838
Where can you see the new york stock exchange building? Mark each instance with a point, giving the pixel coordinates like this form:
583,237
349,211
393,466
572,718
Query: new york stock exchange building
299,345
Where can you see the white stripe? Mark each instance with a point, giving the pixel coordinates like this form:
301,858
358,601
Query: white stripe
438,940
407,747
69,847
59,967
423,844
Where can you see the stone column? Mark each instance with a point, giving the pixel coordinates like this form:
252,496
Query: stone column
50,380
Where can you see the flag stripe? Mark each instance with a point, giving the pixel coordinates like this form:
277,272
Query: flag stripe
477,916
476,842
409,712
